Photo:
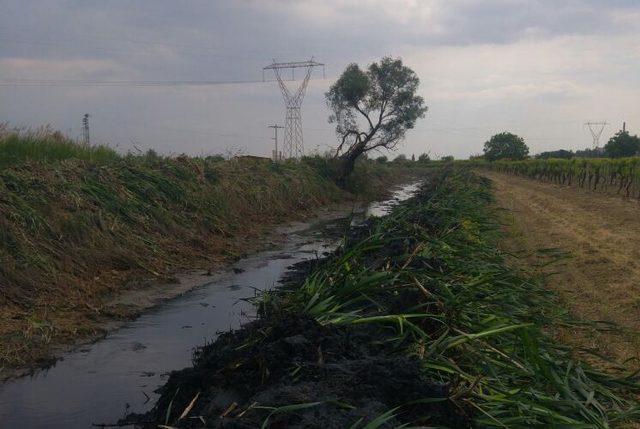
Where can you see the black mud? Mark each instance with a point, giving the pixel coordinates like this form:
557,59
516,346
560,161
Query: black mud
343,373
338,375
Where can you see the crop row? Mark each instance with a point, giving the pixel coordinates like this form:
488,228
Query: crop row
621,176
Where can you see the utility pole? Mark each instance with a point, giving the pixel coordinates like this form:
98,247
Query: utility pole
624,127
85,129
277,156
293,144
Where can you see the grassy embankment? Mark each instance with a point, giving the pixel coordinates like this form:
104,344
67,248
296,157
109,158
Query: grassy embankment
80,224
417,320
620,175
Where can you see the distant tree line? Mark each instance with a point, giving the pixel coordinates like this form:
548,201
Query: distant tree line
423,158
510,146
621,145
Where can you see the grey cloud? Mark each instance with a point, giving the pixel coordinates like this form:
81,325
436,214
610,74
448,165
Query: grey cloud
223,39
232,40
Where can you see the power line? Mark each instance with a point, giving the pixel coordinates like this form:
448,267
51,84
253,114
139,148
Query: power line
193,49
134,83
129,47
147,125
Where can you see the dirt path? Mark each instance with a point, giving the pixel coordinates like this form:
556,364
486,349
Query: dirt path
600,281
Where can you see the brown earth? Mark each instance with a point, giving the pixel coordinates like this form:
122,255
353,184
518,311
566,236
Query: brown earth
598,279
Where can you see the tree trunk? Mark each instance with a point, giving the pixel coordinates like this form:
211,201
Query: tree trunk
348,161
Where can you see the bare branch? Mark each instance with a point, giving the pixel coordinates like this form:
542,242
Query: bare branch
382,108
362,112
346,135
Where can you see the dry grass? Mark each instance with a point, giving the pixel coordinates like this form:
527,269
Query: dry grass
74,232
599,277
79,225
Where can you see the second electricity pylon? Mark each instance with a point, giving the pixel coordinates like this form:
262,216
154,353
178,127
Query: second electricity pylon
293,141
85,130
596,129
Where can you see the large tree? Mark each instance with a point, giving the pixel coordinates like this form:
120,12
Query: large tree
373,108
622,144
505,146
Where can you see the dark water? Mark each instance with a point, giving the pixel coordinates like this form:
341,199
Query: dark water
102,382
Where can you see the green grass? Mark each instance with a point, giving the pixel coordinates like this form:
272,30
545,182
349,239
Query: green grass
431,273
44,145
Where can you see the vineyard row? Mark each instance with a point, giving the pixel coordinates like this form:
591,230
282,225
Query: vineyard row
620,176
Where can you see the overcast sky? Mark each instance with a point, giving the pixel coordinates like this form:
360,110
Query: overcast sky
539,68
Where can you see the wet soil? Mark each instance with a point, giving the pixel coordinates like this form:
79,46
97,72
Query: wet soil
337,376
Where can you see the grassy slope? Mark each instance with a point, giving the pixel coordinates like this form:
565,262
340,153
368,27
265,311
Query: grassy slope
79,224
431,283
47,146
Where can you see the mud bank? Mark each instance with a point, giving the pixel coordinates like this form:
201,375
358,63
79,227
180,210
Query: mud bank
289,370
330,376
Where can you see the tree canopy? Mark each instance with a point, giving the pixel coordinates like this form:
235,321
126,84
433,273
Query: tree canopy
505,146
622,144
373,108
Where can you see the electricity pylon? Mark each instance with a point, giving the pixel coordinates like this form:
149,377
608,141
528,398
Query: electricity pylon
596,129
85,130
293,141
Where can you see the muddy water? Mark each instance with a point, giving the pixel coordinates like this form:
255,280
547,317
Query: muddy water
381,208
102,382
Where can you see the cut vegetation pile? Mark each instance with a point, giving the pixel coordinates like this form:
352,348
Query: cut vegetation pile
80,224
415,321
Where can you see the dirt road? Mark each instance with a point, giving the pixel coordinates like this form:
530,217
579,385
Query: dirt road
600,280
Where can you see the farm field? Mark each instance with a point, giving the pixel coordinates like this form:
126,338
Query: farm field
619,176
599,280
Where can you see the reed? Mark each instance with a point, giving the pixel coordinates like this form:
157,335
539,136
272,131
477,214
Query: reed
432,275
